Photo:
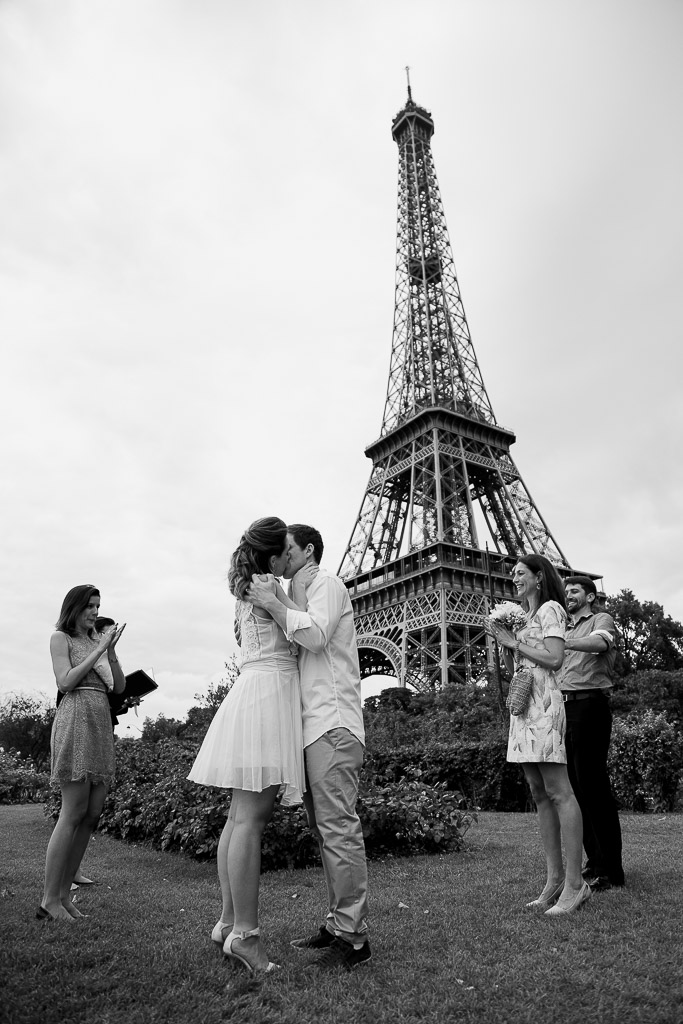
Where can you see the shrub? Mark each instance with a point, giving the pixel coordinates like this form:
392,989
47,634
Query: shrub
400,717
661,691
25,725
478,772
410,816
154,802
20,782
646,762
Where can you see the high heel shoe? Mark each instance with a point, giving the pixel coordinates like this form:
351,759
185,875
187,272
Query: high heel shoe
220,930
240,957
582,895
44,915
543,903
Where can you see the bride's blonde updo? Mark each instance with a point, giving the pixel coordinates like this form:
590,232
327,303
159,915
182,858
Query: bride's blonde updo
264,538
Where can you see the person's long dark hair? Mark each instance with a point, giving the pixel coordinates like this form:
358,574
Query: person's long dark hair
552,587
73,605
264,538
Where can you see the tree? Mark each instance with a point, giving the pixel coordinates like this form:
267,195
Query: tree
26,726
462,712
217,692
661,691
199,718
649,638
160,728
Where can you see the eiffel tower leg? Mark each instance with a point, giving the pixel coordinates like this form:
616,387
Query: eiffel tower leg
444,641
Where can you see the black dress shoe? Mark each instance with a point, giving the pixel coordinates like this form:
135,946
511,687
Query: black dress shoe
321,940
340,955
602,883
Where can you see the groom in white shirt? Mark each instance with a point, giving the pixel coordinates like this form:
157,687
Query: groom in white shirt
334,743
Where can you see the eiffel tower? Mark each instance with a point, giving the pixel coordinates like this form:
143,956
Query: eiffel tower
443,479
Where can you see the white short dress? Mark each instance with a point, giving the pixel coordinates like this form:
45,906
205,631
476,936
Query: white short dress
539,734
255,739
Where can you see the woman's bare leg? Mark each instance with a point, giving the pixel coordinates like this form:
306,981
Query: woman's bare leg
250,814
74,805
561,794
549,826
228,912
96,797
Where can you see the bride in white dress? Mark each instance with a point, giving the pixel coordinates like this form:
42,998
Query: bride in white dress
254,743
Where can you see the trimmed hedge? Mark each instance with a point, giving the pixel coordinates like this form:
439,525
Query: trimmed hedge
646,762
154,802
479,772
413,798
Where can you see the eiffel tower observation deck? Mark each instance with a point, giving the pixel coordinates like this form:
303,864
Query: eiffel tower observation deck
445,513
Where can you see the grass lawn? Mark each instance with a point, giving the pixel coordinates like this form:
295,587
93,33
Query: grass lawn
451,939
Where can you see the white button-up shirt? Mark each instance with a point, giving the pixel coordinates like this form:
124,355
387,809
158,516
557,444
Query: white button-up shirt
328,660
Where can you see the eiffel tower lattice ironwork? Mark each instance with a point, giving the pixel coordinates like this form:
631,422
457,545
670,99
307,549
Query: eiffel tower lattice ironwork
443,479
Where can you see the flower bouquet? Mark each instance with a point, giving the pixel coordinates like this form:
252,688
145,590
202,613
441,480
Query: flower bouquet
513,617
508,614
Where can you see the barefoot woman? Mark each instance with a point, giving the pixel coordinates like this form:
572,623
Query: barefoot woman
82,744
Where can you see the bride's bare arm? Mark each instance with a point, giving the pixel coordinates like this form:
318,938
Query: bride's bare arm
286,601
300,584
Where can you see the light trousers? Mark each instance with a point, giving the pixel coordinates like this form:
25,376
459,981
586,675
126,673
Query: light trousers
333,764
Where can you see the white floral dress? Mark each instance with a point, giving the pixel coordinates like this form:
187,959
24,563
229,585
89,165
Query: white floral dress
538,735
255,738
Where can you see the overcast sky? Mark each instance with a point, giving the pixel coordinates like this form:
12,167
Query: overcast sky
197,244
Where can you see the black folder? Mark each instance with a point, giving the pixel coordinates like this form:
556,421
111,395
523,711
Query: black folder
138,684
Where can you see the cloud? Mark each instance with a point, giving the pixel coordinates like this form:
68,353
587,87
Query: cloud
197,274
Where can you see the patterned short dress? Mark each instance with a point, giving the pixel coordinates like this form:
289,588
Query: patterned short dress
538,735
255,738
82,743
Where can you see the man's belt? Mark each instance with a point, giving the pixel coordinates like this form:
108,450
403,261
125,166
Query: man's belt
579,694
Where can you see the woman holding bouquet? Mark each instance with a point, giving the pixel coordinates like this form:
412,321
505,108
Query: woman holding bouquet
536,739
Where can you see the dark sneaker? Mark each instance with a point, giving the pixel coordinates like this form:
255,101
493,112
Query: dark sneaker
340,955
321,940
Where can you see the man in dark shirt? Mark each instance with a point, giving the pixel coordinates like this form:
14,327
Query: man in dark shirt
585,679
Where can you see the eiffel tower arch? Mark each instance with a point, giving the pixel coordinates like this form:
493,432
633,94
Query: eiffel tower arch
446,513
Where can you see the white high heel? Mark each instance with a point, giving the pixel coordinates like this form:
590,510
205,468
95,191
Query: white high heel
240,957
219,930
545,903
579,899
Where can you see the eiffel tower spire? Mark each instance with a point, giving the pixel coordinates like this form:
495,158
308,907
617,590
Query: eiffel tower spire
446,512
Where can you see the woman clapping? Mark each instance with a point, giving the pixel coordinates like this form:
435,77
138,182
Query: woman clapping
82,745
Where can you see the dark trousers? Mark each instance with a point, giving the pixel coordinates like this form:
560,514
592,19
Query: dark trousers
589,728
